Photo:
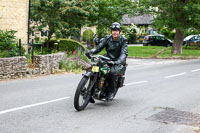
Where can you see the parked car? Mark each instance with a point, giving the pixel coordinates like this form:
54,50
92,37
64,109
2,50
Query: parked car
156,40
188,38
192,40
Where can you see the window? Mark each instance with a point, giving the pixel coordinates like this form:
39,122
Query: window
158,38
162,38
33,33
197,38
44,33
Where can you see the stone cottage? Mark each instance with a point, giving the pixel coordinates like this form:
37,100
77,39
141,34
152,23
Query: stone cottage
14,16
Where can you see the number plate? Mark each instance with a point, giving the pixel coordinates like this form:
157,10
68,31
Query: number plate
95,69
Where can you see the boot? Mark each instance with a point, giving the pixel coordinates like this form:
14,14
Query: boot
112,87
92,100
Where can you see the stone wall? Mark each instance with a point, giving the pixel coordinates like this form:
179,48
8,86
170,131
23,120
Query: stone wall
14,16
47,64
17,67
11,68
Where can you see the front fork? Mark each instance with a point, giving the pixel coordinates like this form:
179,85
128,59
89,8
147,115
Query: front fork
93,76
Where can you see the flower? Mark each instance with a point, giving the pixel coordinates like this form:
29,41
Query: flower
74,52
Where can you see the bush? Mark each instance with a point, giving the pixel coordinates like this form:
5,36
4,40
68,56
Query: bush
167,33
88,38
172,35
67,45
70,45
191,31
88,35
132,36
8,44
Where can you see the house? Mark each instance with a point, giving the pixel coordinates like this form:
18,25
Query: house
14,16
143,20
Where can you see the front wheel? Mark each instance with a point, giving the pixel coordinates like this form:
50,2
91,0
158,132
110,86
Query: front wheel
82,94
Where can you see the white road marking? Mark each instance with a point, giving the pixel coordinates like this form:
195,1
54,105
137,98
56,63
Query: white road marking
195,70
175,75
140,82
32,105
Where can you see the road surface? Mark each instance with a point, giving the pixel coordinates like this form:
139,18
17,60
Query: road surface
152,87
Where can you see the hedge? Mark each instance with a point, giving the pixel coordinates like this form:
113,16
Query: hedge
68,45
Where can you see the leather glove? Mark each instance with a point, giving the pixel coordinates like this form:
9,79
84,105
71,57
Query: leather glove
117,62
111,62
88,53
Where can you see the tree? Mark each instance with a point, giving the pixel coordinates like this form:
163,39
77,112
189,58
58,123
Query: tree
109,11
48,14
77,14
179,15
62,18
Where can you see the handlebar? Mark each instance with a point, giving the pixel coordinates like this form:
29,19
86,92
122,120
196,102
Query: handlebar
104,58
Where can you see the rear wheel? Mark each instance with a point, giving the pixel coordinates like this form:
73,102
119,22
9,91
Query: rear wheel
82,94
149,44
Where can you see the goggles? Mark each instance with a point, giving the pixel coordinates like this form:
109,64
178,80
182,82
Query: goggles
115,26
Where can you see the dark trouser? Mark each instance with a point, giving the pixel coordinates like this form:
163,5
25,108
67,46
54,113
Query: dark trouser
115,71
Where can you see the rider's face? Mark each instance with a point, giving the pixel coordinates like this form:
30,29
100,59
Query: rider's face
115,34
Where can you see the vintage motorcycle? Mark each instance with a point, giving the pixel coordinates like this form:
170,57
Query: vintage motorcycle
94,82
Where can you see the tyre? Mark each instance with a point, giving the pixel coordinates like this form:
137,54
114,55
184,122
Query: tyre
148,44
168,45
116,92
82,94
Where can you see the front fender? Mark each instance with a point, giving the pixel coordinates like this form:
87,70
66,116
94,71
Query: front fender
88,74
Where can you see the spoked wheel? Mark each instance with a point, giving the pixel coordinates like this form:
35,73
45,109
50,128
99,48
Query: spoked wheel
82,95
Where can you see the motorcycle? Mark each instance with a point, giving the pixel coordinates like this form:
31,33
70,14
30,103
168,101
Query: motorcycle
94,82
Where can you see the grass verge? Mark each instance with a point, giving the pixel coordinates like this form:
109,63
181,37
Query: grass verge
161,52
143,52
187,53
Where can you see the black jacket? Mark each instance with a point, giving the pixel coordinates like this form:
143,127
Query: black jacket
116,50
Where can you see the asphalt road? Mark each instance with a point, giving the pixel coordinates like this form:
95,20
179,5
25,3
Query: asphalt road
45,104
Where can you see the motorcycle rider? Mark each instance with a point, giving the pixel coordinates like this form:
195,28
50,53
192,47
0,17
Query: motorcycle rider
117,51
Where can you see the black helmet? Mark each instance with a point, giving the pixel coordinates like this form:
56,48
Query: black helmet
116,26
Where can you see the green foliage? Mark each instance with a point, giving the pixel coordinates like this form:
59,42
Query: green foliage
88,35
45,12
63,18
164,31
172,35
75,62
174,14
8,44
88,38
180,15
191,31
167,33
66,45
131,35
69,45
109,11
